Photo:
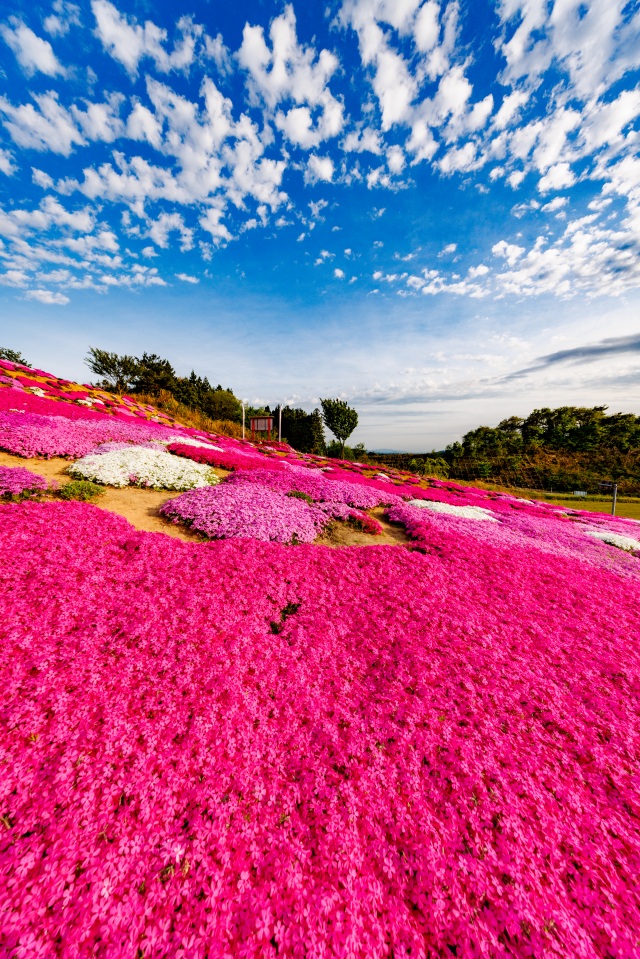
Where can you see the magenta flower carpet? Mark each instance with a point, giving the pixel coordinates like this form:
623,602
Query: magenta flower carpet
250,748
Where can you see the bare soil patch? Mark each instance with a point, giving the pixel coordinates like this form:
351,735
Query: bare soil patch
342,534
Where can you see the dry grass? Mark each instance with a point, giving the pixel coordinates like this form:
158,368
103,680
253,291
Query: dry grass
187,417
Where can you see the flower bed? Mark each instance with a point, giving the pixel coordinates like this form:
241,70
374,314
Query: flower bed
223,459
466,512
316,485
31,434
615,539
17,481
238,749
249,512
142,466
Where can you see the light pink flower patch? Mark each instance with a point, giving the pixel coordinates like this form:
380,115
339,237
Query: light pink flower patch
226,512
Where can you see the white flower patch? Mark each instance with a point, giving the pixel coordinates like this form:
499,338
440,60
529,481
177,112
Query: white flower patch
140,466
466,512
188,441
614,539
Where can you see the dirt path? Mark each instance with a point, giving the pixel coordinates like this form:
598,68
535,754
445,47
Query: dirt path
141,508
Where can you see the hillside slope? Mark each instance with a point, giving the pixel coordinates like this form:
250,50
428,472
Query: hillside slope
254,744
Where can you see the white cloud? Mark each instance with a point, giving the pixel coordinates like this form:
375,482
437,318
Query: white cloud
509,251
558,177
101,121
592,43
557,203
515,179
186,278
475,271
48,297
129,43
49,127
167,223
7,165
15,278
50,214
215,49
210,222
143,125
317,207
339,274
362,140
319,169
509,108
459,160
295,73
65,15
32,52
395,159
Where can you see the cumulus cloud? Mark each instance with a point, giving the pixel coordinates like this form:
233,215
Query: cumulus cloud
47,126
7,165
167,223
558,177
65,15
594,44
48,297
294,73
215,49
34,54
319,168
186,278
129,43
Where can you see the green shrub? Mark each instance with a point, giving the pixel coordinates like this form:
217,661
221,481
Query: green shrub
82,490
294,494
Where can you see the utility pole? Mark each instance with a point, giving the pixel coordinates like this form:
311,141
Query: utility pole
614,494
242,401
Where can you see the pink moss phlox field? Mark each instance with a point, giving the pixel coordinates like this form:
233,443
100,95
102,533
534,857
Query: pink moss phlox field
534,540
316,485
254,512
229,459
233,748
17,481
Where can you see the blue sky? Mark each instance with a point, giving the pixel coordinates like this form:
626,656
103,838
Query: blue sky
429,209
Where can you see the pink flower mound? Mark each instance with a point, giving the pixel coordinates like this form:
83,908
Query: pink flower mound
316,485
225,511
16,481
227,460
230,749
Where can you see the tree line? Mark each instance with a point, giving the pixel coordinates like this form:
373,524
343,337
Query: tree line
152,375
568,429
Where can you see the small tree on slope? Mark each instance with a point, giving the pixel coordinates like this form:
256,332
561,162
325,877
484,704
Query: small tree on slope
340,418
